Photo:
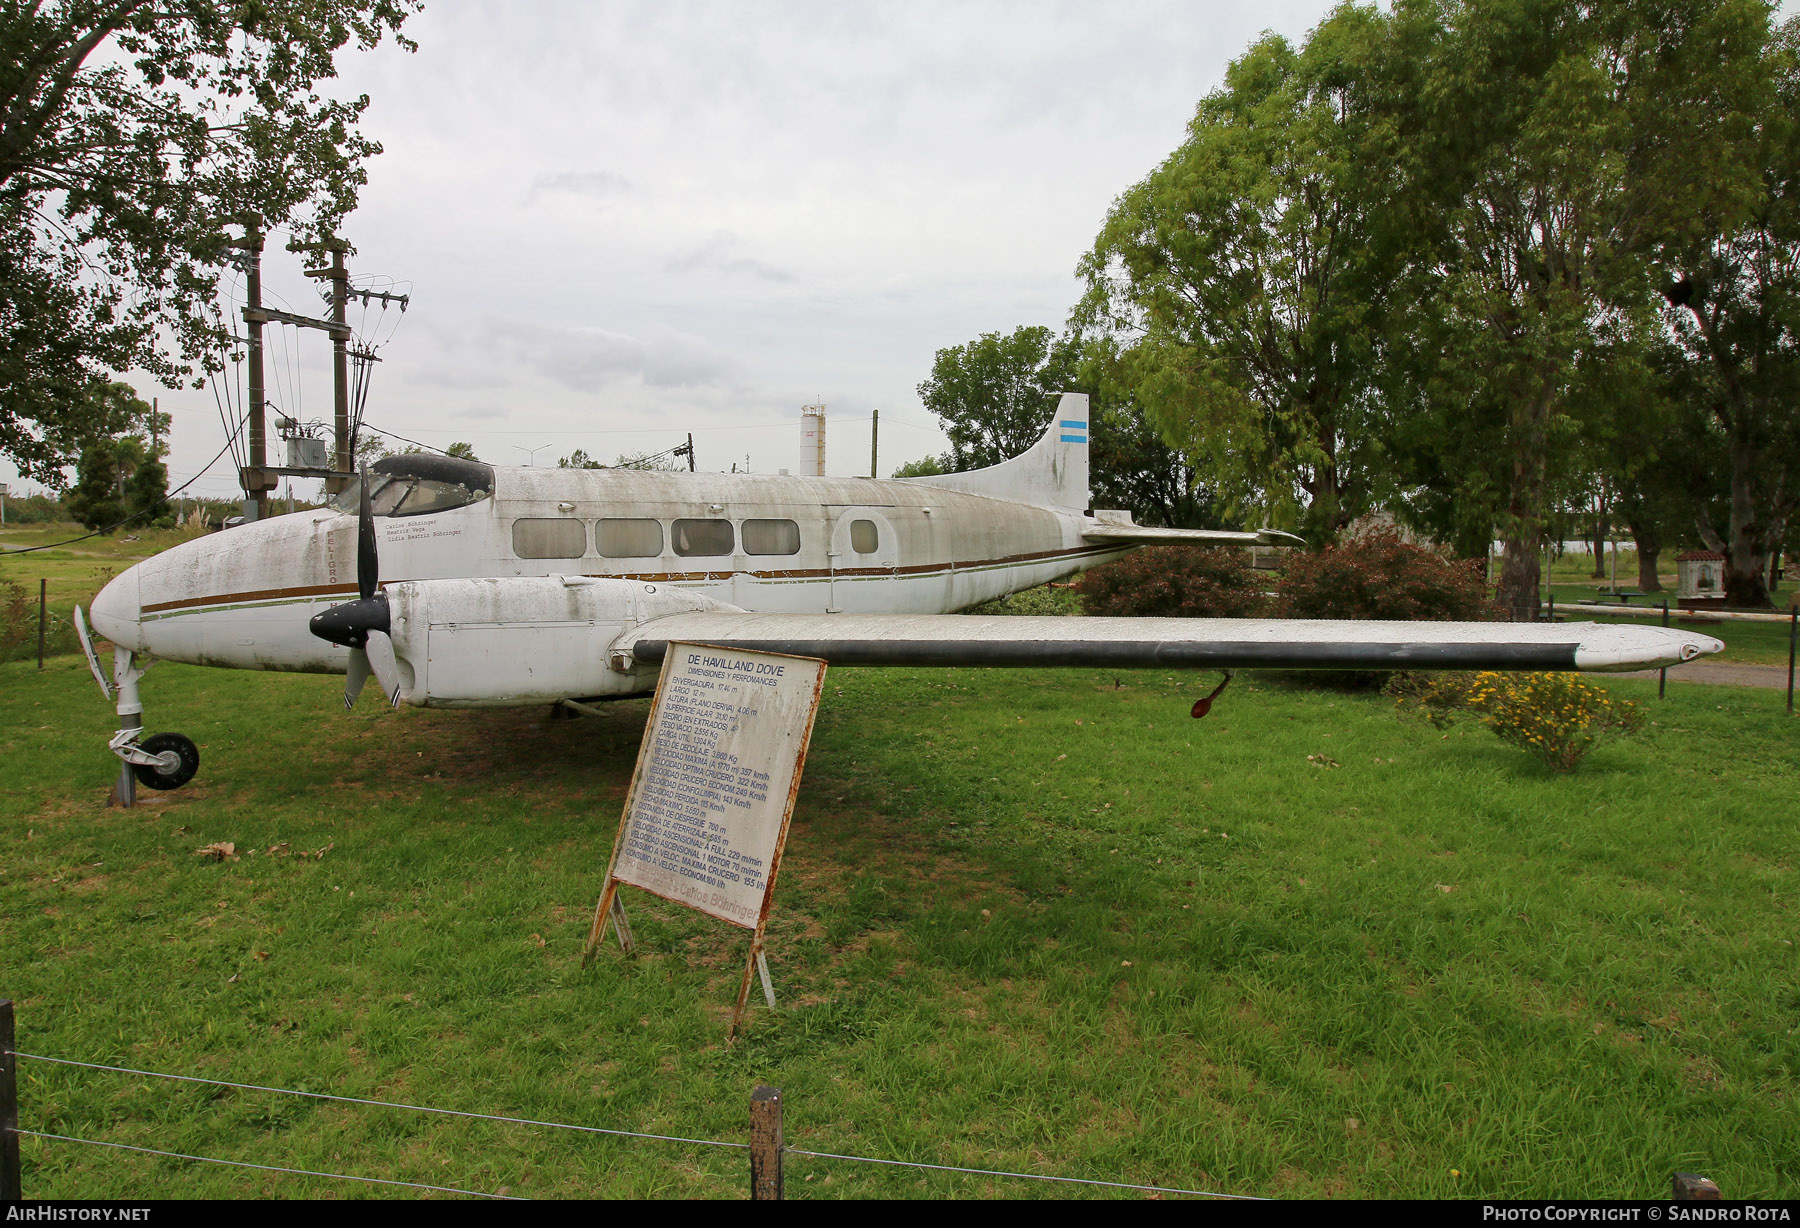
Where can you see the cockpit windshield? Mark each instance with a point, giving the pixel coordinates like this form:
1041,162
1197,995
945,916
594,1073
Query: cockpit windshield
417,485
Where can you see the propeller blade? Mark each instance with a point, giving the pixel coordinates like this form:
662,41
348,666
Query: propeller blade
380,654
361,625
368,566
355,676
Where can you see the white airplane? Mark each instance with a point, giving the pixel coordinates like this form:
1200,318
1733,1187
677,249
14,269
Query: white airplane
500,587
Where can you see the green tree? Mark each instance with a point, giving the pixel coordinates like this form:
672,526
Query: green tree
924,467
371,447
995,394
1241,281
659,462
462,450
134,139
1733,310
1647,453
578,459
1133,467
995,397
1562,143
120,474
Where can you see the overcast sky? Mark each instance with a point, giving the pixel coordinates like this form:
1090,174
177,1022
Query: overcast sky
622,222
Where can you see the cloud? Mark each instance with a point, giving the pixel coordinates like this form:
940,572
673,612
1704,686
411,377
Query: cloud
593,186
719,255
587,358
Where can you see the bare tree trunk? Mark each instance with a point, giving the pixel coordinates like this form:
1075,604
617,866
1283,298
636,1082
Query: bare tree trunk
1646,535
1746,557
1602,529
1649,550
1519,570
1519,578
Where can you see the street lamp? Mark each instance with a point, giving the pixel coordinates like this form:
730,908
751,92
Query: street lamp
532,452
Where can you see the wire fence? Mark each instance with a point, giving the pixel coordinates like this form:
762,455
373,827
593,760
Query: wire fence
767,1149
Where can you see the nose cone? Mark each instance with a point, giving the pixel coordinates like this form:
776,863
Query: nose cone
116,613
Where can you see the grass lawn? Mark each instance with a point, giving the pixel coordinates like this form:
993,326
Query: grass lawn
1036,921
1751,643
74,572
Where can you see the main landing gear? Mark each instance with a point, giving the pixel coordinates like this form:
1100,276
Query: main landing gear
160,761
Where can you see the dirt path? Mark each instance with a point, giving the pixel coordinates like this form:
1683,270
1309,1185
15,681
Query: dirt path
1723,673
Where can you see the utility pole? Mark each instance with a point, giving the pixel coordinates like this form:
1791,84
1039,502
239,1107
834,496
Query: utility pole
339,277
874,439
256,502
259,477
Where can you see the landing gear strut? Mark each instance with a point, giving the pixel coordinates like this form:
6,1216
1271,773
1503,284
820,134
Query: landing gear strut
160,761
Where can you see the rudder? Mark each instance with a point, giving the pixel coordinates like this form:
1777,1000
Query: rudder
1053,472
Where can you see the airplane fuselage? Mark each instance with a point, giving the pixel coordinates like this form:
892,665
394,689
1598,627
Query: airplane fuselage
765,543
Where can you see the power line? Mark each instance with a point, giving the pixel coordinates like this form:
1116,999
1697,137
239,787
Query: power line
145,512
640,430
403,439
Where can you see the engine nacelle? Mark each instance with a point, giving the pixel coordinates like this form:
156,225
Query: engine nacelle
502,642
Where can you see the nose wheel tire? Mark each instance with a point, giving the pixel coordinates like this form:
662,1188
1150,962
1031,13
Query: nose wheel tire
180,760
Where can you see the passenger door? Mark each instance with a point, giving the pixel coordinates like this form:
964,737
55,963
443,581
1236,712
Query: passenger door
864,561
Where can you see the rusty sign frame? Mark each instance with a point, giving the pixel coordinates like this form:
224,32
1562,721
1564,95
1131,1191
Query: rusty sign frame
611,907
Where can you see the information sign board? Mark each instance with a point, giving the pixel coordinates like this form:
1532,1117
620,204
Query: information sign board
714,784
708,808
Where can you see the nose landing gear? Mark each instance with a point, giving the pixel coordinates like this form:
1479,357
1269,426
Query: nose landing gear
160,761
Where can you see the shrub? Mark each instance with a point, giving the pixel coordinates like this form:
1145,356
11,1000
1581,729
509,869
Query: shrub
1177,581
1557,717
18,617
1380,576
1045,599
34,509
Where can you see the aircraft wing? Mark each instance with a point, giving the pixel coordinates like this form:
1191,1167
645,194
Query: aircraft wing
1149,535
1188,643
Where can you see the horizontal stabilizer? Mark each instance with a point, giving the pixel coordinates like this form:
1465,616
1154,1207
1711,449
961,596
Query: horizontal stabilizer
1147,535
1191,643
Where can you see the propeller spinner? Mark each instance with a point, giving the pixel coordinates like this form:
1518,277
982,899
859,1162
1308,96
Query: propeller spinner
362,625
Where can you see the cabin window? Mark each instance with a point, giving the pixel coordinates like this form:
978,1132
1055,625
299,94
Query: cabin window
430,495
549,538
404,495
702,537
771,537
628,539
865,538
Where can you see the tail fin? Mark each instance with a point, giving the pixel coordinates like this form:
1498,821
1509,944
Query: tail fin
1053,472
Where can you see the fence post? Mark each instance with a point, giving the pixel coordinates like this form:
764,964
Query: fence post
765,1142
1793,639
1692,1187
10,1185
43,589
1662,675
